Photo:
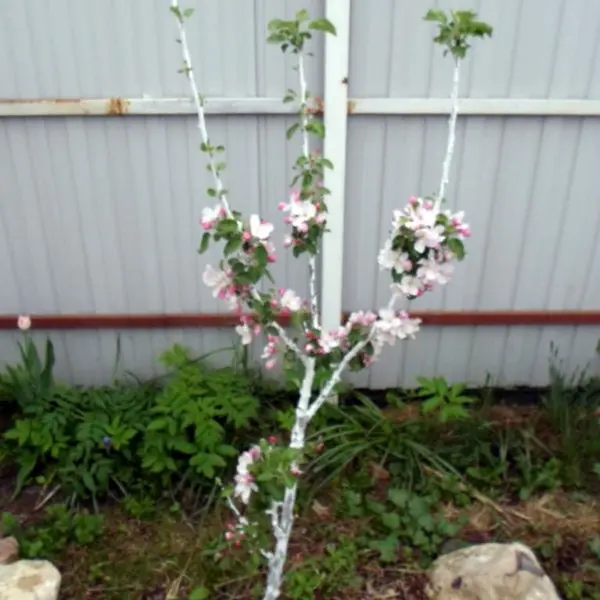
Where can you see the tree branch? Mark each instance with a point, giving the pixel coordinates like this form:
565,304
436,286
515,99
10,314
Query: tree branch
451,134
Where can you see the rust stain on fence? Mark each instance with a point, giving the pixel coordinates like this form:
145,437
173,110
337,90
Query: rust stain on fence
64,106
118,106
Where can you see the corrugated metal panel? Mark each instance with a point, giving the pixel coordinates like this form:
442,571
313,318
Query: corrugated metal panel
99,215
540,49
527,186
74,49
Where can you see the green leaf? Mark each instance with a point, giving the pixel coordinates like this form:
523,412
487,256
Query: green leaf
302,15
204,243
233,245
27,463
323,25
261,255
388,548
200,593
456,247
158,424
398,497
88,481
290,132
436,15
431,404
391,521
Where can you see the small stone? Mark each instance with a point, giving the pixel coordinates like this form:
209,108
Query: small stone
9,550
490,572
29,580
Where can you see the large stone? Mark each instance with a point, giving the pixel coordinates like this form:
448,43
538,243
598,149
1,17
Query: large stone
29,580
490,572
9,550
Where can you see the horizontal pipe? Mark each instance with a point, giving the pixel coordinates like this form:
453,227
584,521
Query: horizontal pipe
145,106
213,321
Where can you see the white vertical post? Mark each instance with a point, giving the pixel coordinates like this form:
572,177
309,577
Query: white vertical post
337,49
335,119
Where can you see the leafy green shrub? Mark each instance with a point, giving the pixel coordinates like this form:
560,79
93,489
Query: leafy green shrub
195,418
403,522
449,403
59,528
84,439
90,441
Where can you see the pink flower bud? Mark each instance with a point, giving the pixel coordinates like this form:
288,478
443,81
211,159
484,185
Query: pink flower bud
256,329
229,536
288,241
270,364
414,201
321,218
207,225
428,205
271,258
282,206
272,440
23,323
246,237
287,220
466,231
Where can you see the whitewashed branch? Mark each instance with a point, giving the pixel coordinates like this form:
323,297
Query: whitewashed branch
198,104
451,134
218,182
312,263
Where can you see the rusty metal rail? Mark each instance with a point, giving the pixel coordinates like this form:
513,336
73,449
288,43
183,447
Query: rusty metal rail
64,107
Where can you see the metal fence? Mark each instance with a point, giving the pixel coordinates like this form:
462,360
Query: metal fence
103,182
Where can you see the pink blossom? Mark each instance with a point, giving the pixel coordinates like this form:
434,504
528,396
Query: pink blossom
259,228
23,323
245,334
270,364
290,300
218,280
210,216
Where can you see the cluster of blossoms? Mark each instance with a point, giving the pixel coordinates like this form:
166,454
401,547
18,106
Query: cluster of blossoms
382,328
212,216
245,479
306,217
422,247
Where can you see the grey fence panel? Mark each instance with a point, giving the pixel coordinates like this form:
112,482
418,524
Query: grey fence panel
527,186
540,49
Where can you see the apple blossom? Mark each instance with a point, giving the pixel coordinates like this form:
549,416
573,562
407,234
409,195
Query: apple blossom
260,230
216,279
211,215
